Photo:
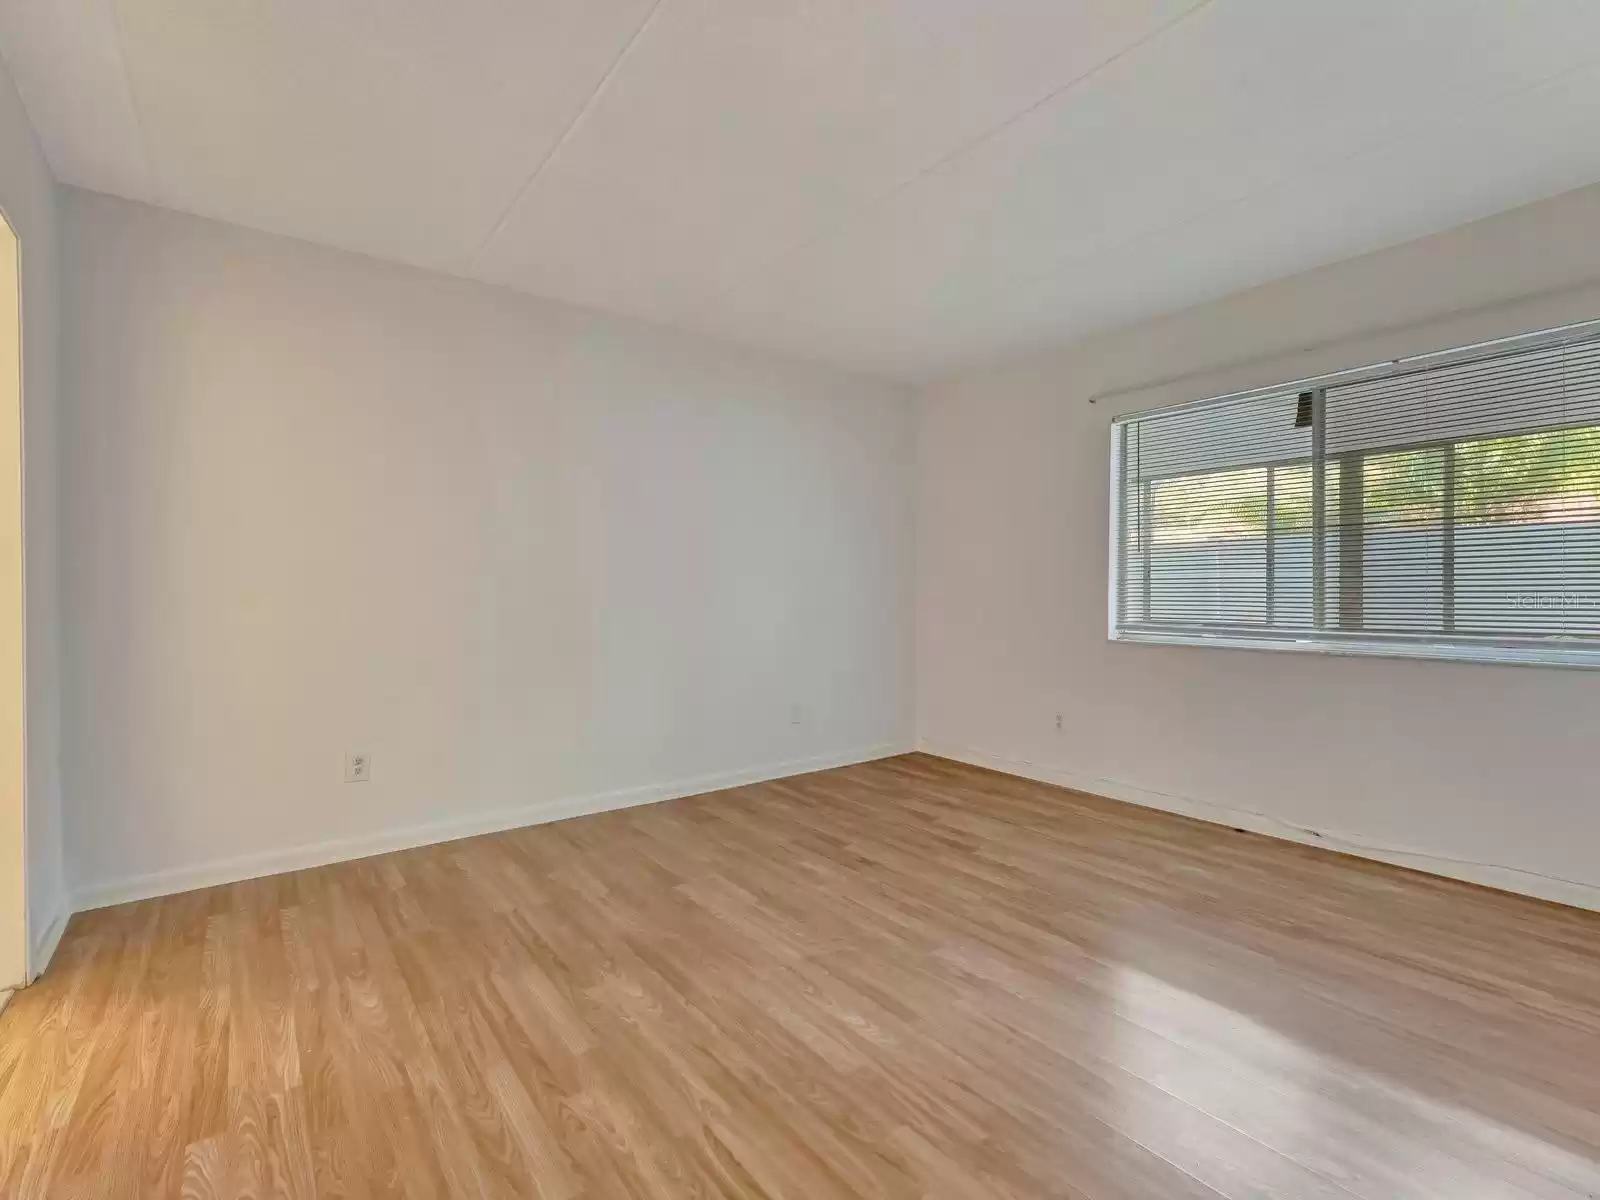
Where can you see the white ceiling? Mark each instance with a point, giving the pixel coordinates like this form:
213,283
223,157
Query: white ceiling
896,186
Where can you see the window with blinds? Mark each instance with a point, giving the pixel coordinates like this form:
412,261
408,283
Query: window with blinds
1446,506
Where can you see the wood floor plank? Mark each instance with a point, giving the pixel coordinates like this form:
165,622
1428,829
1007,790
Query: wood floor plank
901,980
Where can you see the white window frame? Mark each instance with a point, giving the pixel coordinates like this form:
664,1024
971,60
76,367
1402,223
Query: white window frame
1532,651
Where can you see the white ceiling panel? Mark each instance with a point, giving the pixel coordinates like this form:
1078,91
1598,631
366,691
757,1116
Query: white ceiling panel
402,128
1514,153
901,186
1256,98
742,128
66,62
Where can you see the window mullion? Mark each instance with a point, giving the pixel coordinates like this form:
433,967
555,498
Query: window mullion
1272,534
1319,517
1448,555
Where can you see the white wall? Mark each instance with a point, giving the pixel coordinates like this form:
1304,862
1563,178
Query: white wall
537,560
28,196
1493,765
531,558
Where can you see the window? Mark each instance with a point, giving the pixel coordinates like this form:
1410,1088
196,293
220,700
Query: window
1442,506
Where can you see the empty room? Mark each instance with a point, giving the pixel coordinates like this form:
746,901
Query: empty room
800,599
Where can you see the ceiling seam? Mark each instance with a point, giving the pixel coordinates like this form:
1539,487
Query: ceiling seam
556,147
54,167
1444,119
960,151
133,104
1067,265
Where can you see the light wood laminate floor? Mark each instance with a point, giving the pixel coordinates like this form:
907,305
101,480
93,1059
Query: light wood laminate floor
903,979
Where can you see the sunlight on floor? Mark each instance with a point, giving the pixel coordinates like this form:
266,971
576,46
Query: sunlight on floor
1188,1073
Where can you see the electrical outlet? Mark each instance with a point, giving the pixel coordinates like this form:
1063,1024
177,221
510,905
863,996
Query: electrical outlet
357,766
1058,722
797,714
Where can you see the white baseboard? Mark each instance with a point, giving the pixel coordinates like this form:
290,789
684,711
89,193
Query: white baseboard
1494,875
47,939
319,854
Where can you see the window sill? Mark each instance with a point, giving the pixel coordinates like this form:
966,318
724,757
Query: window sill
1533,655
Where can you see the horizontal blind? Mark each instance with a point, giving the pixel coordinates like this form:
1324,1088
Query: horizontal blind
1457,502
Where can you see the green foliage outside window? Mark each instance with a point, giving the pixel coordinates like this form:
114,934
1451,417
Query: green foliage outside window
1548,476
